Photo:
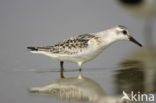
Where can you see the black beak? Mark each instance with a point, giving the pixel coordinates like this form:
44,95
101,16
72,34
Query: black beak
134,41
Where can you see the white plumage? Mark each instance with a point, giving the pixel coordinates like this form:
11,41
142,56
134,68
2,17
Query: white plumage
82,48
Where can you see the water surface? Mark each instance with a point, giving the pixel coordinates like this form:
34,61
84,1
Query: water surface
137,73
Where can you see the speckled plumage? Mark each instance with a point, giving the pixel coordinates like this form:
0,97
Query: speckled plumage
69,46
82,48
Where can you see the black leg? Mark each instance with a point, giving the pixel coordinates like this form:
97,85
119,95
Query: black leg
61,69
80,65
80,69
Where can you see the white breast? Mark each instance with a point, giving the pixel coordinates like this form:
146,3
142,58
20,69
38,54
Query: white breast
95,47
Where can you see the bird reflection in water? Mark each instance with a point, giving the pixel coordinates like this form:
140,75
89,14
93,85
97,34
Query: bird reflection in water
138,73
78,88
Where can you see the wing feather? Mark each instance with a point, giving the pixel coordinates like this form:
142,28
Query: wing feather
70,46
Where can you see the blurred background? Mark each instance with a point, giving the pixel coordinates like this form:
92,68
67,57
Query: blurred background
45,22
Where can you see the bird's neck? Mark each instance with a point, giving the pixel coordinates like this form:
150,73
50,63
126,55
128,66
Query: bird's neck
106,37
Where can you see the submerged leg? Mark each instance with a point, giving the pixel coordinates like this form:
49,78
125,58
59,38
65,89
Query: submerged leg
61,69
80,69
80,64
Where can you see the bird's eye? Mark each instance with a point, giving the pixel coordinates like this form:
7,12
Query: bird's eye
124,32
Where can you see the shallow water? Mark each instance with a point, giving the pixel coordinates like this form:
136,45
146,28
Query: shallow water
137,73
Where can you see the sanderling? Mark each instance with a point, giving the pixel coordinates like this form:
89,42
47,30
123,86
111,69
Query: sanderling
144,9
82,48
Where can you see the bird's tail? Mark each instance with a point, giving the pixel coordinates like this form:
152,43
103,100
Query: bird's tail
32,48
38,49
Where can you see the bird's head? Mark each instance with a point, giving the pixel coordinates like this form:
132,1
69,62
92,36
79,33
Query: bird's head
121,33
